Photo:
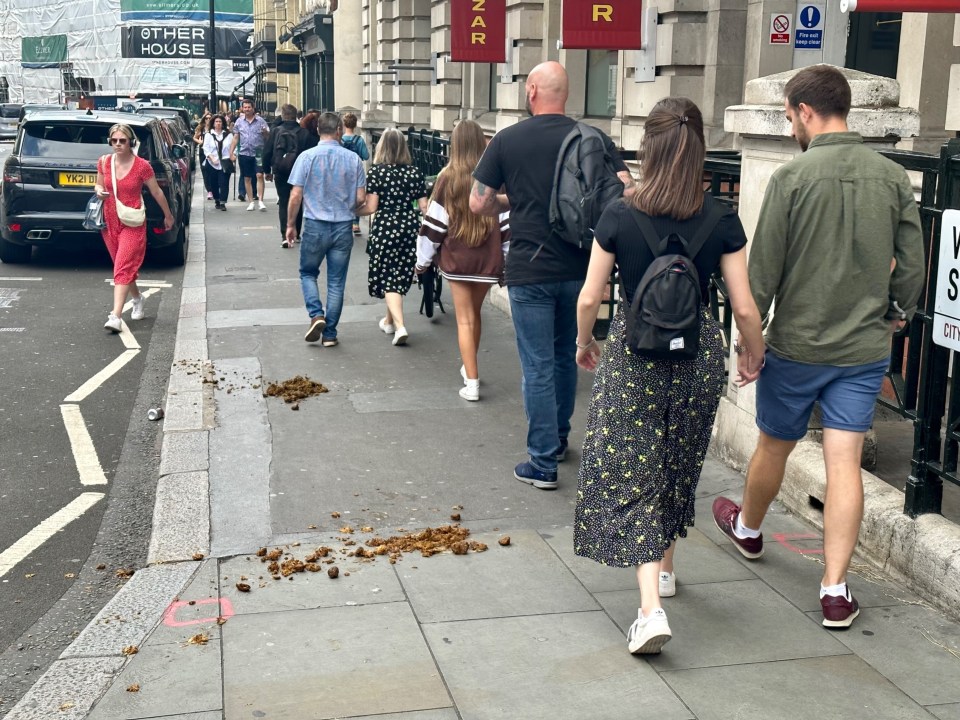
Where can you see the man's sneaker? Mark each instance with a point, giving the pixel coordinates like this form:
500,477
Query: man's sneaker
647,636
251,207
400,336
667,584
527,473
725,514
113,323
839,612
284,243
562,452
330,342
316,329
388,328
261,205
136,308
242,198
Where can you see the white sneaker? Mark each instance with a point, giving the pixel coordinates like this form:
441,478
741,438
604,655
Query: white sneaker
136,309
463,374
262,206
668,584
647,636
471,390
400,336
388,328
113,323
251,207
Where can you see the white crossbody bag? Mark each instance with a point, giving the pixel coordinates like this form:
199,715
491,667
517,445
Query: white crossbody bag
129,216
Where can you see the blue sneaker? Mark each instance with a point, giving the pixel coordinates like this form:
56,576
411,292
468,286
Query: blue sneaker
527,473
562,452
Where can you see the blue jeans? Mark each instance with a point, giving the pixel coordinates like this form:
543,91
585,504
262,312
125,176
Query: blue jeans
545,320
333,242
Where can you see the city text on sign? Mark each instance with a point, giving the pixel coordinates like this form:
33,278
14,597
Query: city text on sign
946,317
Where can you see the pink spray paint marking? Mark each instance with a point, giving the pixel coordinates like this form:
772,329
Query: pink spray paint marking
170,614
785,538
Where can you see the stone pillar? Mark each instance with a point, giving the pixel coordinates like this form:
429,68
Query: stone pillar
767,144
347,82
761,58
927,51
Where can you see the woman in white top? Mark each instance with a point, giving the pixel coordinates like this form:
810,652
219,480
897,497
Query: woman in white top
216,149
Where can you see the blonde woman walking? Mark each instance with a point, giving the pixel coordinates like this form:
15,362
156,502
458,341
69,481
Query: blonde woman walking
468,249
393,186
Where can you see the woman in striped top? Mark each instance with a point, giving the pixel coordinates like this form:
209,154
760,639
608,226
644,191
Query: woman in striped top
468,249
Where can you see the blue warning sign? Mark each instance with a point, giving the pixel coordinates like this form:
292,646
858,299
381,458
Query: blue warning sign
809,39
810,17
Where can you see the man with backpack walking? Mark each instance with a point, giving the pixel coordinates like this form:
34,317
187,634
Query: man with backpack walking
287,140
838,246
355,143
545,266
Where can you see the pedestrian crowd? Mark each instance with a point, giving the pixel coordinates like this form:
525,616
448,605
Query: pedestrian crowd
837,251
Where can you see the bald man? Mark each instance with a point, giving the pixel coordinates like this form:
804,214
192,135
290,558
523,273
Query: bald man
543,273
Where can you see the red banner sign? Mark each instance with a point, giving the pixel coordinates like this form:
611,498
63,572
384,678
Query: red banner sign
478,31
610,25
927,6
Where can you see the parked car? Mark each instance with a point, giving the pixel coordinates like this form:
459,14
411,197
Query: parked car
32,107
49,176
181,135
168,111
9,119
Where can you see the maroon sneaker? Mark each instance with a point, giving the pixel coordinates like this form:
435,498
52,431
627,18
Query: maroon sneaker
725,516
839,612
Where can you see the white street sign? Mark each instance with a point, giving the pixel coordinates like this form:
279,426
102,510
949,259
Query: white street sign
946,308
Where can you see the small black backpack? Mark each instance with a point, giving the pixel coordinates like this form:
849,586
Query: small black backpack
663,321
285,152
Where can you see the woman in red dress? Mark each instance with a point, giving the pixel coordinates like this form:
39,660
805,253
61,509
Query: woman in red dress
127,245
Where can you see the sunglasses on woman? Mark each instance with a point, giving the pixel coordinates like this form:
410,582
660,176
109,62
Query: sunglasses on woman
119,141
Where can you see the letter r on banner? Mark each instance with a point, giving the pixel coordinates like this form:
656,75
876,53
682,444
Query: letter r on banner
611,25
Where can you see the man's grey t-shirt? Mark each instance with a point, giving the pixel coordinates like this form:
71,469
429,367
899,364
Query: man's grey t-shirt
330,176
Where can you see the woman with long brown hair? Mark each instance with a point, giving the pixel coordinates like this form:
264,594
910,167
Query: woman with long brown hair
394,184
650,419
468,249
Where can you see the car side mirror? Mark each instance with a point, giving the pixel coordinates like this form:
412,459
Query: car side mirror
178,152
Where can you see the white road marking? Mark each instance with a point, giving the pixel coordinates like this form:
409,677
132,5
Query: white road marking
144,283
84,453
18,279
46,530
85,390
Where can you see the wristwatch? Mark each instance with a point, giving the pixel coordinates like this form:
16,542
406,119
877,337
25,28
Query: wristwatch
739,349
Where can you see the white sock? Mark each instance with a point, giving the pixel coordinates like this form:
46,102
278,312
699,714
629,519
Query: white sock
742,531
833,590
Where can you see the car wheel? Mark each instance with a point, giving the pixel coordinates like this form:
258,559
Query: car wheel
174,255
13,254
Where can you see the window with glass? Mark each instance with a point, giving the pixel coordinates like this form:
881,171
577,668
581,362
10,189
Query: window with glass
601,83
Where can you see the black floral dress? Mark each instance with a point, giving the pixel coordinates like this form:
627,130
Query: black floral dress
396,224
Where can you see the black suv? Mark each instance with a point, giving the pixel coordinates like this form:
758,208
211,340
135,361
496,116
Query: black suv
49,177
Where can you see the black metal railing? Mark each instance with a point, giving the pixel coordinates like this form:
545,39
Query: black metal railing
920,370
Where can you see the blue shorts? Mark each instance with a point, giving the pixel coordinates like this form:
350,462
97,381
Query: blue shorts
787,390
248,166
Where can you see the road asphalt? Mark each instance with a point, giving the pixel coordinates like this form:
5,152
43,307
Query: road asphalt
523,630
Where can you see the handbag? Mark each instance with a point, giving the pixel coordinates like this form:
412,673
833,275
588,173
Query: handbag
93,218
226,164
129,216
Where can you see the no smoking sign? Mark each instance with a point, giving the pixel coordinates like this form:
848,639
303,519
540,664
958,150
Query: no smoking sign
780,24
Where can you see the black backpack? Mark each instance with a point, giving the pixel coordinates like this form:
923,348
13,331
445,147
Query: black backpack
585,181
663,321
285,151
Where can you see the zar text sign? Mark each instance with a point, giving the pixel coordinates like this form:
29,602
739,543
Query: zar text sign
946,309
478,31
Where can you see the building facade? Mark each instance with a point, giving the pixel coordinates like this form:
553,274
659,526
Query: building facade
391,60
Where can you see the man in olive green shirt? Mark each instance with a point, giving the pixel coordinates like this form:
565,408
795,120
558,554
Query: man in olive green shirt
838,252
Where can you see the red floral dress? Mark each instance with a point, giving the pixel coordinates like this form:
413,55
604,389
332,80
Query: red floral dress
127,246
